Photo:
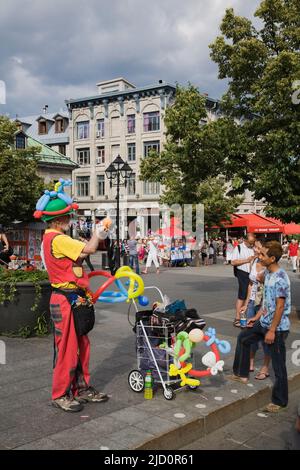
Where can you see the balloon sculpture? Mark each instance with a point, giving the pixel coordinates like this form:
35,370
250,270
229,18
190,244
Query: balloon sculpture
185,342
135,289
57,193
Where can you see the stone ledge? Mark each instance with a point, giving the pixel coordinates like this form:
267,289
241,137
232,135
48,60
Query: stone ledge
200,427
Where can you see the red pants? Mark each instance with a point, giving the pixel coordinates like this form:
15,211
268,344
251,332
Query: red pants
72,352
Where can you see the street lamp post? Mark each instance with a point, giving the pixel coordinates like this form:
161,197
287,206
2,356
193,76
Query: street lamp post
118,173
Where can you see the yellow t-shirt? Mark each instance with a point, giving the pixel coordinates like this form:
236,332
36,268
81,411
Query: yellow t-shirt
64,246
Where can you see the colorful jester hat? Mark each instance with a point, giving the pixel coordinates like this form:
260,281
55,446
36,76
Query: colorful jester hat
55,203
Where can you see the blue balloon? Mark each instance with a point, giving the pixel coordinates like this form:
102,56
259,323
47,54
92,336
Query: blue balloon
42,202
121,288
224,347
143,300
121,295
65,197
111,297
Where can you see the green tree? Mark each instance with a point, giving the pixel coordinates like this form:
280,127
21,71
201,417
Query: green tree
262,65
192,158
218,205
20,185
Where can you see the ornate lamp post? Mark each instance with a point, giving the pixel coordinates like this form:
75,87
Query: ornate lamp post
118,173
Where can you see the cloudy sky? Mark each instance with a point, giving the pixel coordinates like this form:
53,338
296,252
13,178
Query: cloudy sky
59,49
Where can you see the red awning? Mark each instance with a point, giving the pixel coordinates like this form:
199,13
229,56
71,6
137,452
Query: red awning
288,229
259,224
235,222
291,229
254,223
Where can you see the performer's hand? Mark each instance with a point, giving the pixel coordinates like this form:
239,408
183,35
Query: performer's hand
101,231
106,223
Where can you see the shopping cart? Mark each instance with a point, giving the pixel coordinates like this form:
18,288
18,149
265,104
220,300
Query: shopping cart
151,355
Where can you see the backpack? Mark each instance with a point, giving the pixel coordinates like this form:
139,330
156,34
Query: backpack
235,267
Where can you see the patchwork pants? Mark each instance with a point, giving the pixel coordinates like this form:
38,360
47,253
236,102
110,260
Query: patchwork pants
71,352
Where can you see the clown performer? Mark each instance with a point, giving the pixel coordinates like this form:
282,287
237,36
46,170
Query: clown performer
63,257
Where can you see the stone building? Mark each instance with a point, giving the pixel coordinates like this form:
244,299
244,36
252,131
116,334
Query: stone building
51,129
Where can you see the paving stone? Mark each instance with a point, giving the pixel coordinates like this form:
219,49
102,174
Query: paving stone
105,425
130,437
18,436
7,422
130,415
156,425
265,442
74,438
41,444
101,444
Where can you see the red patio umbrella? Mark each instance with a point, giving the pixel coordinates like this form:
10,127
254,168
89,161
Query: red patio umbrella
173,230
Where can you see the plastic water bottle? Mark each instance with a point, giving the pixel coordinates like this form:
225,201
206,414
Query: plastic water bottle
148,390
243,320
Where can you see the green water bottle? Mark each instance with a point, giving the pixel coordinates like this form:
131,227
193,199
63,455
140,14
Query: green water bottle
148,390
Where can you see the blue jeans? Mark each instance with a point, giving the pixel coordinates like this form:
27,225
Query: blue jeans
241,364
134,259
250,313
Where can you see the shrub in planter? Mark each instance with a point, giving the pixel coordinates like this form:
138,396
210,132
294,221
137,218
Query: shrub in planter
24,302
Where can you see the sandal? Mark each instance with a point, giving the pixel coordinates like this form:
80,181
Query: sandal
237,322
262,376
236,378
272,408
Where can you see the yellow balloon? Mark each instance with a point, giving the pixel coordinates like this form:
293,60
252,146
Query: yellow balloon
127,269
133,277
124,269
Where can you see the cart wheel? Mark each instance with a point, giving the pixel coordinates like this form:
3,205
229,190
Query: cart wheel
169,393
193,387
136,381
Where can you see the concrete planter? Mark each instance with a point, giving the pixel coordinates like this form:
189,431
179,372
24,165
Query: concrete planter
18,314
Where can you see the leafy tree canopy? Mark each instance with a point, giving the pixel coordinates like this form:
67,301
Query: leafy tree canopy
20,185
262,65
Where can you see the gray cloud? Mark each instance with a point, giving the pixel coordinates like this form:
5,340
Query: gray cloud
51,51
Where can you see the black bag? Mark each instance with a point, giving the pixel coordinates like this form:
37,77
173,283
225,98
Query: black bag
235,267
84,318
83,314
